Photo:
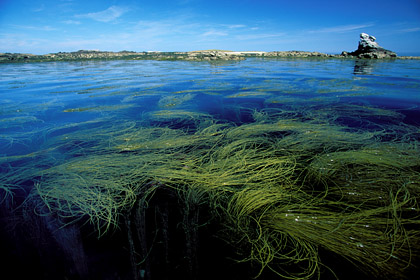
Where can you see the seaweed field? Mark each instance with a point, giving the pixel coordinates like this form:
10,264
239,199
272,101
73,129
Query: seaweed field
255,169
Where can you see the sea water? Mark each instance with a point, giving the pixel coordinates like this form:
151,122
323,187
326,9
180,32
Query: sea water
37,98
55,112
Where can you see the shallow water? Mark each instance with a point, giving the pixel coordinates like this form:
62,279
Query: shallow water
38,97
103,129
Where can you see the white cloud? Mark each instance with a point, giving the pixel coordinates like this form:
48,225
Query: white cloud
39,9
260,36
341,28
21,42
72,22
234,26
214,33
415,29
110,14
34,27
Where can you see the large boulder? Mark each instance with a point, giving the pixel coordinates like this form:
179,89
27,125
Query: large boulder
369,48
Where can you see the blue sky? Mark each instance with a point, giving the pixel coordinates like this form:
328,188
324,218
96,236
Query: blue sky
41,27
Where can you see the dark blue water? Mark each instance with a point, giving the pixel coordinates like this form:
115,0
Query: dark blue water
54,112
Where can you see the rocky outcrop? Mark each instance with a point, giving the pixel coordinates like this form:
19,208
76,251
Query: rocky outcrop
369,48
297,54
213,55
15,57
126,55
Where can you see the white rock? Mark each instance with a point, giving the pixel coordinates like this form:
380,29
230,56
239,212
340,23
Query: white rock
367,41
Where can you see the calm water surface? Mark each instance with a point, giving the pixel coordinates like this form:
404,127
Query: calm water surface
77,129
40,97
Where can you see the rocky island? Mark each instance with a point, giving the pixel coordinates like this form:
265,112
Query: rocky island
368,48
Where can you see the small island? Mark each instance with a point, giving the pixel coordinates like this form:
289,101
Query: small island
368,48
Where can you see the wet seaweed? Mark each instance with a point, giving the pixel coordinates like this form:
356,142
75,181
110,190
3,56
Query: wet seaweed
292,183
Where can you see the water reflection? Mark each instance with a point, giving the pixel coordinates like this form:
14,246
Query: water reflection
363,67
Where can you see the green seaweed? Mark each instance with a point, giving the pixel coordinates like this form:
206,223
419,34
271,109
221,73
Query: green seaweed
281,188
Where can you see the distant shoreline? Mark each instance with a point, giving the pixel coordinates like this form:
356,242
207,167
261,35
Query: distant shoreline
204,55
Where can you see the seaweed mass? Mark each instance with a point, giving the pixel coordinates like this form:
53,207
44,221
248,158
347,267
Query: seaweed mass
296,192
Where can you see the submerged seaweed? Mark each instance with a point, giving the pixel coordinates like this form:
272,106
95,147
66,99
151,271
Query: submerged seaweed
280,190
263,173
